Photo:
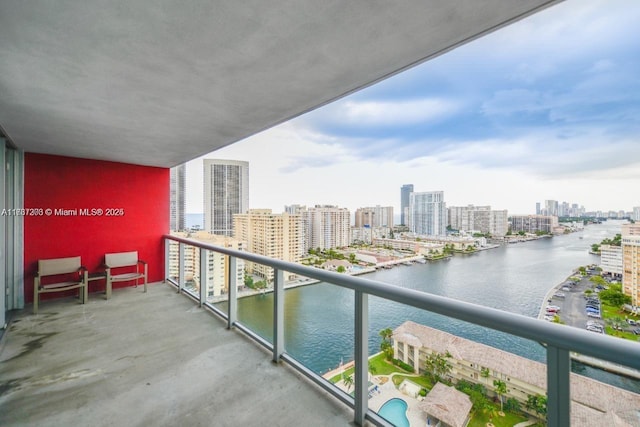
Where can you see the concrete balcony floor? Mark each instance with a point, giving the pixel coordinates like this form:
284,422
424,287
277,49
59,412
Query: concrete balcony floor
152,359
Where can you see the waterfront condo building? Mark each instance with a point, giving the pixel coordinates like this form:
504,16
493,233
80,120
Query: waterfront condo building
226,193
593,402
533,223
177,198
368,234
405,198
631,262
217,264
611,260
478,218
328,227
428,213
378,216
277,236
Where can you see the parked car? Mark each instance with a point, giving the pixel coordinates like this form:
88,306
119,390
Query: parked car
595,315
632,322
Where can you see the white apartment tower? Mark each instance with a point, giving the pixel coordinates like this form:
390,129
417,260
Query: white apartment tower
329,227
277,236
611,260
428,213
631,262
177,200
226,193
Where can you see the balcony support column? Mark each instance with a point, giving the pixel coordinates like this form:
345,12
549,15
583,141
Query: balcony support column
361,359
232,301
203,276
558,387
278,314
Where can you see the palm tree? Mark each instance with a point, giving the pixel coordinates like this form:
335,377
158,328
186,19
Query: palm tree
437,365
386,333
348,382
501,389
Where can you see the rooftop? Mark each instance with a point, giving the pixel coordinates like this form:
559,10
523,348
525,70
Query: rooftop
157,358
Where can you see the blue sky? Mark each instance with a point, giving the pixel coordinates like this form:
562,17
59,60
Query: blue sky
547,108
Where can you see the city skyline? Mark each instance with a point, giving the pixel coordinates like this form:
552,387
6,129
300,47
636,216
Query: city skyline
545,109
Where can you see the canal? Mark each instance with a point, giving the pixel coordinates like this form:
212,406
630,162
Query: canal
319,318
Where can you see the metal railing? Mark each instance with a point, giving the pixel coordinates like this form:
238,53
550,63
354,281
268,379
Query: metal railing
559,340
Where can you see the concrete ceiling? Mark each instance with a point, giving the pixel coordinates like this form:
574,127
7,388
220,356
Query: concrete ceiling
162,82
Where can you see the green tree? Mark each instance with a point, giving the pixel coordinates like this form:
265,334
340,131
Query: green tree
348,382
248,280
437,365
352,258
614,296
512,405
341,269
501,389
385,345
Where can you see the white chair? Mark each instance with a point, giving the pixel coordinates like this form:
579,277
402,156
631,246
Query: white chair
69,270
128,266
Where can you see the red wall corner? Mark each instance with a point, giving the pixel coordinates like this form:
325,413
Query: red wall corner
93,207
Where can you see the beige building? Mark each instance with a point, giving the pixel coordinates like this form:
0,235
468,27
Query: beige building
423,248
217,281
277,236
631,262
593,402
378,216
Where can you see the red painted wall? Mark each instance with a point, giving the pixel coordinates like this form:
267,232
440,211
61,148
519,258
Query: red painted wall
135,213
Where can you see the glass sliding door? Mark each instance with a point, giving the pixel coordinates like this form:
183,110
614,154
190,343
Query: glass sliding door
11,231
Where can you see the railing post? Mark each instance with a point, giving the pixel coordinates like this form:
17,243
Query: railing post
558,387
278,314
181,269
232,301
361,359
167,258
203,275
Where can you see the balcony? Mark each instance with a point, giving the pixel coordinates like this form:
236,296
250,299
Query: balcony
147,359
172,361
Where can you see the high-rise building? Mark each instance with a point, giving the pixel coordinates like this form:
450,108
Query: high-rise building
533,223
378,216
329,227
226,193
405,192
631,262
537,208
302,212
177,199
551,207
478,218
277,236
428,213
611,260
217,279
636,213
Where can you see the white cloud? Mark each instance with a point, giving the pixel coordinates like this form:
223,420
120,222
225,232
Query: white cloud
381,113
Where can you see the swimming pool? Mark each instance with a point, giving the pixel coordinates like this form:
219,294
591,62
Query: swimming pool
395,411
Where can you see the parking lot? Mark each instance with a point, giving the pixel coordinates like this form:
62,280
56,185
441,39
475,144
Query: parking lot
574,307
